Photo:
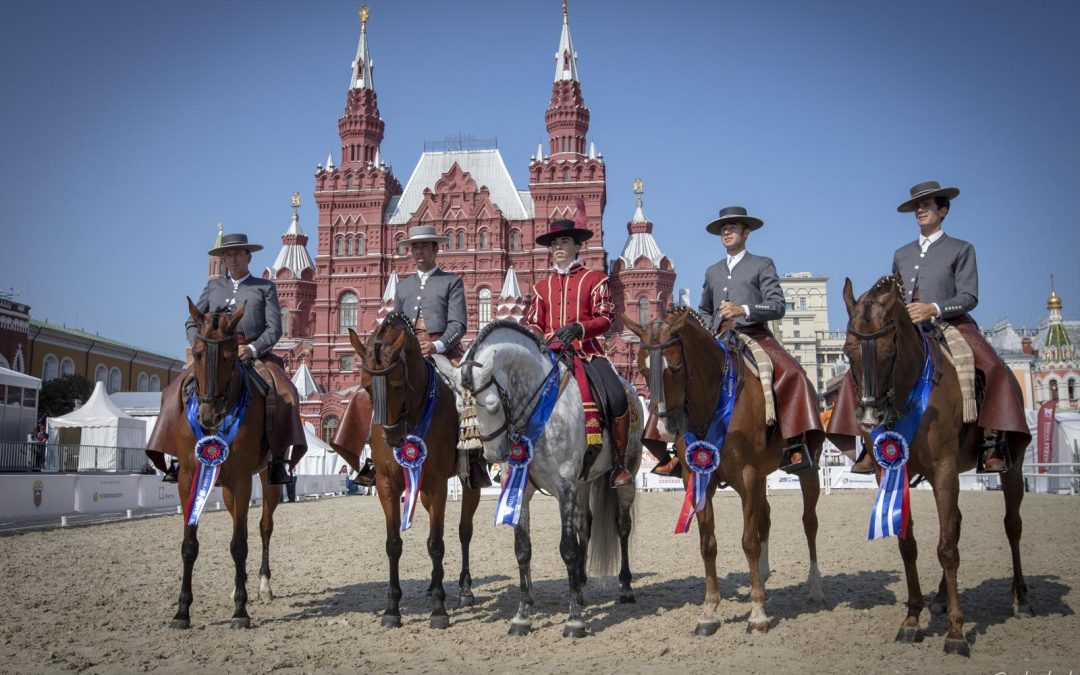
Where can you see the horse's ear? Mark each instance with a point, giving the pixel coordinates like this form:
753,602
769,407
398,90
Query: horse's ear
236,316
357,344
678,320
635,328
399,343
849,295
196,315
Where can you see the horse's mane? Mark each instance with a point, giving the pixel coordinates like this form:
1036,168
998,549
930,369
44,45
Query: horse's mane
512,325
887,283
684,309
400,317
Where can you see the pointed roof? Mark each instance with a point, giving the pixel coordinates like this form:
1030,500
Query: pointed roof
640,242
330,161
539,152
566,57
511,289
304,382
390,293
293,255
362,67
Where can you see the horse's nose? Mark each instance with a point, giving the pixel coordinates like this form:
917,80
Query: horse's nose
871,419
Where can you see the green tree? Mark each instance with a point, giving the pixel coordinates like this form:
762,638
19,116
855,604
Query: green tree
58,396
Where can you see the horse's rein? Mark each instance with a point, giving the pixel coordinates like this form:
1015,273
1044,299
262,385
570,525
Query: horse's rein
511,423
213,345
868,347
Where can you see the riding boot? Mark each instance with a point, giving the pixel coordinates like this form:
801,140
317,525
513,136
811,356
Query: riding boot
666,465
865,464
366,475
796,456
620,437
478,472
993,453
172,474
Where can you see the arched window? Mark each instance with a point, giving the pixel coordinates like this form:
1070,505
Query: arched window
643,311
347,312
566,174
144,382
484,307
155,383
360,245
285,321
115,383
461,240
348,245
485,241
339,248
1072,388
50,370
329,427
348,182
1054,390
515,240
399,239
67,367
101,373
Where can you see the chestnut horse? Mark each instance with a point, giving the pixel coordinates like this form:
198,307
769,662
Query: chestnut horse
398,379
220,382
685,368
942,447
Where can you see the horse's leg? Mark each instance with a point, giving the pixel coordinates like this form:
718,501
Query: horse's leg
910,631
811,490
1012,484
238,500
940,601
189,551
751,541
435,503
764,526
946,494
707,622
470,499
522,623
271,497
626,494
570,548
391,503
584,531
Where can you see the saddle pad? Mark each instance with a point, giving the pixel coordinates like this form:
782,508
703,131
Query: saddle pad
759,362
961,357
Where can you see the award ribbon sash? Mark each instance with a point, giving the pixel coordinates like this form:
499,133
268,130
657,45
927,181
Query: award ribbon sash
508,508
703,454
211,450
892,447
412,453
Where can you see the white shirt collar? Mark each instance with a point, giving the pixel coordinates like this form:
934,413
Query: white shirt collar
926,241
574,264
237,282
424,276
733,260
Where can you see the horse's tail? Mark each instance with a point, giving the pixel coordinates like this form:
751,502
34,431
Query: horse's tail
604,550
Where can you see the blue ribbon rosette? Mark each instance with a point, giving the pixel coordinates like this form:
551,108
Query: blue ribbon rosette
211,450
508,509
411,456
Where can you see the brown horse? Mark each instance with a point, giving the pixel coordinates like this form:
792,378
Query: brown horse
887,355
220,383
685,367
397,378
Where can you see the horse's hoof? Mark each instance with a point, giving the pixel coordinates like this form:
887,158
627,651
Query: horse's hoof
467,600
1023,611
391,621
938,608
181,624
240,622
440,621
574,629
909,636
757,627
627,598
519,629
706,628
958,647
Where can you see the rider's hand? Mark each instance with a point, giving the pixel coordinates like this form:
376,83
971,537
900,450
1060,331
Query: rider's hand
921,311
427,348
729,310
245,354
568,333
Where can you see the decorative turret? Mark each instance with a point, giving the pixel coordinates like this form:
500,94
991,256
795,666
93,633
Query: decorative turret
293,274
217,263
567,117
1057,346
511,300
361,127
293,255
642,276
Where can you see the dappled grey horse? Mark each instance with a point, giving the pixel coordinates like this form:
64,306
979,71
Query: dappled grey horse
506,369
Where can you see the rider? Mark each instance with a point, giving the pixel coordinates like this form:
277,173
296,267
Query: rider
573,306
944,284
260,328
743,292
435,301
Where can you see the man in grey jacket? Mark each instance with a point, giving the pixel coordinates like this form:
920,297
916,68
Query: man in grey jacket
943,279
742,292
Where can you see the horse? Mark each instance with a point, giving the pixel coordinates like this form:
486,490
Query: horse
505,369
221,384
399,381
685,368
887,354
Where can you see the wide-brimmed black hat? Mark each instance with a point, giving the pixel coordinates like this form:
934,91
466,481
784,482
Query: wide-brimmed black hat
568,228
733,214
927,190
231,241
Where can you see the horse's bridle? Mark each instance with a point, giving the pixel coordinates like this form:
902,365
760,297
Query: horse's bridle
656,375
512,424
213,345
868,347
378,389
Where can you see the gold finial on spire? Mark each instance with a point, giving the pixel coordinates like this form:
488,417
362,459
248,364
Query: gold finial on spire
217,242
565,17
639,186
296,200
1054,302
364,11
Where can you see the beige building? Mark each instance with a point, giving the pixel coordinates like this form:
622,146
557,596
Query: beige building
804,330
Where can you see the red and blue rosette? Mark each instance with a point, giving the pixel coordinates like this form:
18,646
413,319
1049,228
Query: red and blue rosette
892,507
703,458
508,509
210,451
410,456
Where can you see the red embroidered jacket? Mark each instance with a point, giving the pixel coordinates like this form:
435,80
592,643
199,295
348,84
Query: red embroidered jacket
580,296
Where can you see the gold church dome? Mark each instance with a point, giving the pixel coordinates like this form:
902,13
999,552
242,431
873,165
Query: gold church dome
1054,302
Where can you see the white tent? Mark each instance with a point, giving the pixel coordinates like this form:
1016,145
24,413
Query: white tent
106,427
1066,449
320,459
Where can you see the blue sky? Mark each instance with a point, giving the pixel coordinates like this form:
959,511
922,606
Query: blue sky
129,129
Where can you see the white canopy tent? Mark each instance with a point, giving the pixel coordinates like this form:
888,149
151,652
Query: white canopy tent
1066,449
320,459
102,424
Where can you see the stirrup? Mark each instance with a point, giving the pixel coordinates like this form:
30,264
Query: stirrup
277,474
616,470
803,464
864,465
365,477
673,469
997,443
172,474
